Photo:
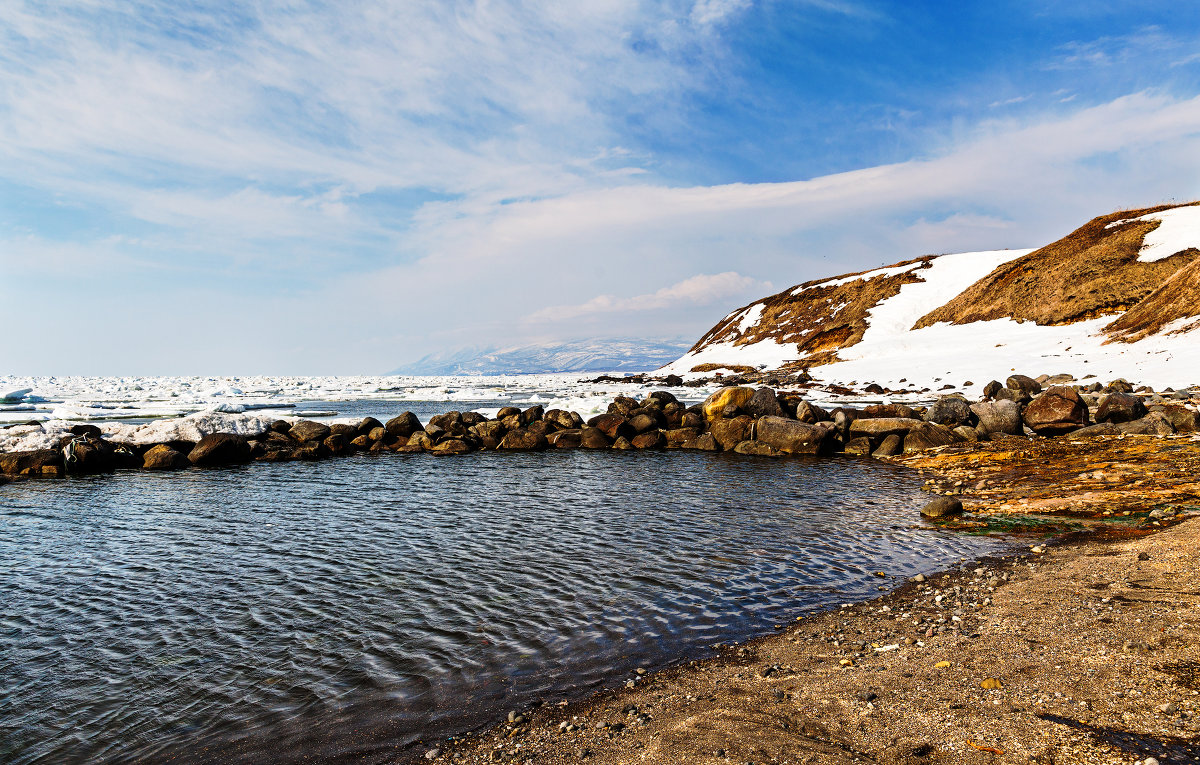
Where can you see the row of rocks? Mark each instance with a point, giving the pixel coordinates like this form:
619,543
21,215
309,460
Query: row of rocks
739,419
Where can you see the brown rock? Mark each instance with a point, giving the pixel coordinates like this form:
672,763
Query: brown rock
880,428
1057,411
878,411
1120,407
521,439
1023,384
1182,419
613,426
651,439
362,442
593,438
764,403
337,444
450,446
791,436
570,438
378,434
532,414
307,430
1153,424
942,507
507,411
163,457
403,425
342,429
220,449
927,435
811,413
642,423
367,425
703,443
858,446
757,449
889,447
678,436
731,432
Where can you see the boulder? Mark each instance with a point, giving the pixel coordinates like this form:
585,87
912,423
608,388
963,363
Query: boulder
791,436
1059,379
757,449
1057,411
419,441
731,432
1120,385
521,439
623,405
1016,396
880,428
220,449
651,439
490,429
448,421
991,389
307,430
368,424
715,404
91,431
593,438
679,436
952,411
46,463
1099,429
507,411
703,443
1153,424
163,457
570,438
342,429
811,413
1120,407
999,416
280,426
966,433
843,418
860,446
890,410
562,419
692,420
764,403
338,445
928,435
532,414
643,422
1184,420
403,425
472,418
450,446
665,396
362,442
942,507
889,447
540,427
613,426
622,444
1026,386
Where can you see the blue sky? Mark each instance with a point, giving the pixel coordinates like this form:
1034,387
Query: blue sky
305,187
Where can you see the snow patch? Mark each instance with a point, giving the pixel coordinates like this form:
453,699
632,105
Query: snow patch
1178,230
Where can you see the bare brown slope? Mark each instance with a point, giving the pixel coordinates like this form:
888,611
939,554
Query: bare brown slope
820,317
1091,272
1178,298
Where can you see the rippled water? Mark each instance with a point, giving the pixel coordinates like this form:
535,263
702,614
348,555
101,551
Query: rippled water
341,610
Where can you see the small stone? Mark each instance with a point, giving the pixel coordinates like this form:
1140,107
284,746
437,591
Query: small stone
433,754
1143,556
919,578
941,665
991,684
942,507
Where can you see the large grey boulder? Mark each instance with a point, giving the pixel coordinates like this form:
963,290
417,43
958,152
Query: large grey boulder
999,416
764,403
928,435
952,410
791,436
879,428
1120,407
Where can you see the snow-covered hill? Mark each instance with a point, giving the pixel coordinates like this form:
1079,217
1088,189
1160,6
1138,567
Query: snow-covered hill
584,356
1119,297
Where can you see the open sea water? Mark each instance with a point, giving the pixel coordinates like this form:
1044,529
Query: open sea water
352,609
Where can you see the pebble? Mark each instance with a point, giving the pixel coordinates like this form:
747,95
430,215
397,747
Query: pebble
919,578
433,754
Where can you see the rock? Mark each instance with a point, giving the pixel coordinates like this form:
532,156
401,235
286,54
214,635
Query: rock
521,439
472,418
532,414
928,435
999,416
1099,429
651,439
86,430
942,507
280,426
163,457
790,436
715,404
623,405
540,427
403,425
764,403
1016,396
991,389
419,441
362,442
966,433
562,419
843,418
46,463
1059,379
83,455
1026,386
757,449
507,411
890,410
613,426
1153,424
1120,385
367,424
220,449
337,444
450,446
593,438
880,428
703,443
1120,407
342,429
1058,411
692,420
643,422
951,411
811,413
1184,420
731,432
622,444
378,434
565,439
493,429
307,430
676,437
889,447
860,446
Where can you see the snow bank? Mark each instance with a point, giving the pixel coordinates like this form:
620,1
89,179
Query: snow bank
1178,230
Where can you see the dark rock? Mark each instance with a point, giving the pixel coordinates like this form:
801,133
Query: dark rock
342,429
879,428
890,446
704,443
368,424
692,420
532,414
791,436
1120,407
280,426
679,436
378,434
613,426
362,442
86,430
593,438
450,422
642,423
1182,419
622,444
764,404
1026,386
860,446
991,389
561,419
45,463
83,455
1120,385
666,397
1059,379
966,433
951,411
651,439
942,507
570,438
162,457
1099,429
731,432
811,413
472,418
1058,411
521,439
403,425
999,416
873,388
1015,396
220,449
878,411
843,418
490,429
928,435
337,444
757,449
507,411
623,405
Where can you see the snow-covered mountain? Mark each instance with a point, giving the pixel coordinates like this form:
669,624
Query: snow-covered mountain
595,355
1119,297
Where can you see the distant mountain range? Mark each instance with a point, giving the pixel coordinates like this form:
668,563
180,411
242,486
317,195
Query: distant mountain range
597,355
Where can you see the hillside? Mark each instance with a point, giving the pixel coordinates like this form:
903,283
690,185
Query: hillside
1117,297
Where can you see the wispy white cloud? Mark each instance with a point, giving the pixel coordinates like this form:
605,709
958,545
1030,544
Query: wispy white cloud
699,290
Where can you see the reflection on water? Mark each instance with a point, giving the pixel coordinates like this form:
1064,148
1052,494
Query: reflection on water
339,610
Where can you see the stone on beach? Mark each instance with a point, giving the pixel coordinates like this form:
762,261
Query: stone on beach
791,436
1057,411
163,457
220,449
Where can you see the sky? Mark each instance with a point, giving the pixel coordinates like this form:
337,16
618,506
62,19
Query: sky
291,187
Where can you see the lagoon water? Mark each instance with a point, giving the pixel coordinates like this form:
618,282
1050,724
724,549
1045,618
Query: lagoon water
346,610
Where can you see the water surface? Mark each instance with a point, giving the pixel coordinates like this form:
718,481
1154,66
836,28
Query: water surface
342,610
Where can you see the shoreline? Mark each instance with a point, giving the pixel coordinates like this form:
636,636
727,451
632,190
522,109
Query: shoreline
1089,638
